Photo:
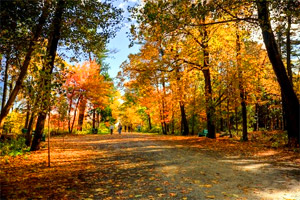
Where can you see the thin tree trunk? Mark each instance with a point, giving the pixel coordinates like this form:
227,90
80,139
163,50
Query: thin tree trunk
236,120
69,112
82,107
163,107
46,79
194,110
94,118
241,87
228,119
292,102
75,112
23,71
257,117
184,121
149,121
173,122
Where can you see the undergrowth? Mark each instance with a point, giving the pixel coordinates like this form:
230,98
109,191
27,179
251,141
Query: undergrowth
13,147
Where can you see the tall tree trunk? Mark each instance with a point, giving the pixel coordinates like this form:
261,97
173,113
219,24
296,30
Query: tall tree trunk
194,110
183,119
94,118
69,111
241,86
228,119
149,121
74,117
5,82
46,78
256,128
164,125
23,71
98,119
292,102
288,47
173,122
29,130
210,110
236,120
82,107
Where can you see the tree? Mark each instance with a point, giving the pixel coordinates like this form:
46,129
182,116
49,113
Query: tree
85,84
87,25
37,31
292,102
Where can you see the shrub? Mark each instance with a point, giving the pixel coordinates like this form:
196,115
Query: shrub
13,147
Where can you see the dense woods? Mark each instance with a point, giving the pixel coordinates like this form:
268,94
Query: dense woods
225,67
36,40
207,106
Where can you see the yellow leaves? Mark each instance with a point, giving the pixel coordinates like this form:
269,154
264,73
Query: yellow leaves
210,197
206,186
172,194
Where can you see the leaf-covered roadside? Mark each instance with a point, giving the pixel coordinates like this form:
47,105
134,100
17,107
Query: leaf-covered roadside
130,167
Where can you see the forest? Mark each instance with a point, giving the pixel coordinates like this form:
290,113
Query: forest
218,75
220,66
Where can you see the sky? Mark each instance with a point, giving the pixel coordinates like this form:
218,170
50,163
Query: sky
121,42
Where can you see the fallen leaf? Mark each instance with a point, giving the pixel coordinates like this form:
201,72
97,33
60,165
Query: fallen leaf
206,186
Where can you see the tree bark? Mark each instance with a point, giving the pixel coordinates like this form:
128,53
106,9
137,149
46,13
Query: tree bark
289,94
82,107
149,121
164,125
23,72
74,117
210,110
288,48
183,119
94,118
29,130
241,86
46,79
5,82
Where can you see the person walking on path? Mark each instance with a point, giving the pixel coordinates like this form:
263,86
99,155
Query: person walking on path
120,128
139,128
111,129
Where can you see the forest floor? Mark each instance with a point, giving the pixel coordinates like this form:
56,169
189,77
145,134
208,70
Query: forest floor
144,166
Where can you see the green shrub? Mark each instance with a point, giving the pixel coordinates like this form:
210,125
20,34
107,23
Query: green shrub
103,129
154,130
13,147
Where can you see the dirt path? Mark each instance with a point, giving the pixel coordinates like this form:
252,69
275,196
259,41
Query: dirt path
139,166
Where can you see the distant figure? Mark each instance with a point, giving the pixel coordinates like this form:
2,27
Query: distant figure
120,128
129,129
125,128
139,128
111,129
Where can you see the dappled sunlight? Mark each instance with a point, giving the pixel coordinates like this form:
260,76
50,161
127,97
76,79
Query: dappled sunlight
267,153
110,166
254,166
247,165
290,194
